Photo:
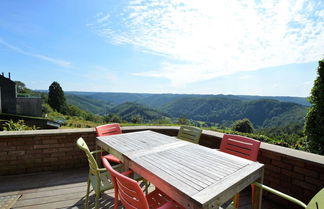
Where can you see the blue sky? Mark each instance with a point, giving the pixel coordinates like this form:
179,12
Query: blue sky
171,46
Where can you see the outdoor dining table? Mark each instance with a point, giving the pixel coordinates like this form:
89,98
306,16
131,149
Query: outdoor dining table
193,175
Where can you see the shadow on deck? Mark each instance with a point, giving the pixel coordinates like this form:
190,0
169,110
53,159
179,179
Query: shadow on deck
66,189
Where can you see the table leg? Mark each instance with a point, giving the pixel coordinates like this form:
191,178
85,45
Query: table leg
126,166
257,201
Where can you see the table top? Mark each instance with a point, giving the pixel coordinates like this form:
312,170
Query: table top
199,176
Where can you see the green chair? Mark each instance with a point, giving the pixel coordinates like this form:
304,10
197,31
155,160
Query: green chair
317,202
99,178
189,133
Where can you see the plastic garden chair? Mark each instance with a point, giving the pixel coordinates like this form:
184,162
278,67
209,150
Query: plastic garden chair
132,196
242,147
107,130
99,178
317,202
189,133
113,129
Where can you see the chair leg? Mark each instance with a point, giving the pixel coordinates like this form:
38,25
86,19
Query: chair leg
147,184
237,200
97,201
116,198
98,194
252,187
86,203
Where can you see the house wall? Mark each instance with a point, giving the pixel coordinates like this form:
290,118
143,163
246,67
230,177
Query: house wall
8,95
294,172
29,106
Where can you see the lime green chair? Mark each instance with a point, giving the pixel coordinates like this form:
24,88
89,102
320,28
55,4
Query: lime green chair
99,178
317,202
189,133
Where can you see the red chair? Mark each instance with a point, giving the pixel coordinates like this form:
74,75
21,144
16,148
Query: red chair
131,194
242,147
107,130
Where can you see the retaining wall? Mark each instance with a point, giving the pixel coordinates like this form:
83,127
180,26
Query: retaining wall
294,172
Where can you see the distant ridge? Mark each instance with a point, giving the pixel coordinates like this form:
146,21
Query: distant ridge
263,111
156,99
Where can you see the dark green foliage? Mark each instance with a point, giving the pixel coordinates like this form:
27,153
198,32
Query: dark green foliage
243,125
314,126
56,97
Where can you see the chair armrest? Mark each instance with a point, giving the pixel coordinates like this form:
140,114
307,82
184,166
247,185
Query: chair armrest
117,167
102,170
280,194
96,151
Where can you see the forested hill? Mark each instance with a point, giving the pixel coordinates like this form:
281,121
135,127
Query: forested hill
262,113
221,109
136,112
157,100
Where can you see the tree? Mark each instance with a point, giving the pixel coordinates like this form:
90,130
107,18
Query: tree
243,125
56,97
183,120
22,90
136,118
112,118
21,87
314,125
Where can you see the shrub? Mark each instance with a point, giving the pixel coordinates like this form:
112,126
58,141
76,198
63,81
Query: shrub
243,125
17,126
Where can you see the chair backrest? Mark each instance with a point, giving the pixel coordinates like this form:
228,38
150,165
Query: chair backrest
108,129
128,190
189,133
92,162
240,146
317,202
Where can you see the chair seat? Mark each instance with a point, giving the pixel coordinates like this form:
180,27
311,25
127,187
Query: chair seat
112,158
105,182
157,199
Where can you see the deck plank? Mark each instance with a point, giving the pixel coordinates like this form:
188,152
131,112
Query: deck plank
59,193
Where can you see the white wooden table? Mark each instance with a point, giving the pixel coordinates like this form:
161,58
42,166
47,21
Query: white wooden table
193,175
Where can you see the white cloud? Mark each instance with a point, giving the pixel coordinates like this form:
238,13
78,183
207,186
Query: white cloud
59,62
206,39
102,18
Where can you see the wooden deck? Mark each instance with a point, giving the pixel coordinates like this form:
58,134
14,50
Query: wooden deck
66,189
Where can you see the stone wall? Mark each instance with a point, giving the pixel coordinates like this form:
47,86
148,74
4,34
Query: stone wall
298,173
294,172
42,150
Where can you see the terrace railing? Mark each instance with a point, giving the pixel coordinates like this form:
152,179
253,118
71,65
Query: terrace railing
297,173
